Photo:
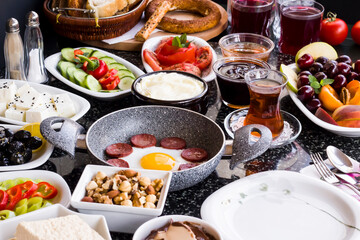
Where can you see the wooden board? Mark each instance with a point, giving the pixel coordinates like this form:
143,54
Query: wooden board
133,45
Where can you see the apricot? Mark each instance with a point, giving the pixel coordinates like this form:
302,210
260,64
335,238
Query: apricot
346,113
329,98
355,123
353,86
355,100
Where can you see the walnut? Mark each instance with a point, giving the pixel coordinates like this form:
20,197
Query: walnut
105,199
107,184
145,181
157,184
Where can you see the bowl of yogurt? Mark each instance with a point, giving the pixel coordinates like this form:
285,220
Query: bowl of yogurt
171,88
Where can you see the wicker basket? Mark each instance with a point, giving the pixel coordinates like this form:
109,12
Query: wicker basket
85,29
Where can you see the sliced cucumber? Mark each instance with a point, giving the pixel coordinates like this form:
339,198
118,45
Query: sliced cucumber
117,66
92,83
97,54
68,54
125,83
110,91
79,77
108,60
70,73
63,65
86,50
125,73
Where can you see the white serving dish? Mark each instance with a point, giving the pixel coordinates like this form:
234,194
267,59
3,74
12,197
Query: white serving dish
152,43
96,222
63,196
52,61
38,158
119,218
282,205
80,103
339,130
144,230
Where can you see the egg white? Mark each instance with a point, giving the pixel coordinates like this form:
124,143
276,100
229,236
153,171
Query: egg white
135,157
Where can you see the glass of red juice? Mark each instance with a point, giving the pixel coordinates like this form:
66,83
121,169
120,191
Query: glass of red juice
251,16
300,24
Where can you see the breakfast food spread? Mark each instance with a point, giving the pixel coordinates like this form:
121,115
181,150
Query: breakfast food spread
60,228
169,86
180,231
125,188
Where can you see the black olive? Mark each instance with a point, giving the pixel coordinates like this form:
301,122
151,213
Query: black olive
2,132
27,154
9,133
4,160
22,136
16,159
16,146
34,143
4,142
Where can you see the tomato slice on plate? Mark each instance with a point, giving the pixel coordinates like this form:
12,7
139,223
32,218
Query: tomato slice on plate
150,58
203,57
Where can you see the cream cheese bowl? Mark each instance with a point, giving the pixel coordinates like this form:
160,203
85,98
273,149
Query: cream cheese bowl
157,88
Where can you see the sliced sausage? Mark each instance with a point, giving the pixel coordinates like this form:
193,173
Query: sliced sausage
143,140
119,150
173,143
117,162
187,166
194,154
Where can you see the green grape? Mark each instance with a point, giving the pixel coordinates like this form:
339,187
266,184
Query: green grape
21,207
5,214
34,203
46,203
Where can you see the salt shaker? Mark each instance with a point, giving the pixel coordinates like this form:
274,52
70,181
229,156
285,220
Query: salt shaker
34,50
14,51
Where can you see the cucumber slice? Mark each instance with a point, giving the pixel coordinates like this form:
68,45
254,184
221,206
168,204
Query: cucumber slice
108,60
63,65
125,83
92,83
125,73
70,73
79,77
110,91
117,66
68,54
87,50
97,54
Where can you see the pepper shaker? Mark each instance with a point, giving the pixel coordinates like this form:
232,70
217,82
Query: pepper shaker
14,51
34,50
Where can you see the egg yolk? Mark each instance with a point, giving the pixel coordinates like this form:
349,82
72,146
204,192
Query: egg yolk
157,161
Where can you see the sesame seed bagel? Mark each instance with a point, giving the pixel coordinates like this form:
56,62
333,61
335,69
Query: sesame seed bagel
206,8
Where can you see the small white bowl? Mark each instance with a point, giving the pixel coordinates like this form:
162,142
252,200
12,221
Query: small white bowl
144,230
119,218
96,222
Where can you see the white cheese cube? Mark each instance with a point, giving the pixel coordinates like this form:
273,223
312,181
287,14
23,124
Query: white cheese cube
2,108
27,98
64,105
15,114
39,113
45,99
7,92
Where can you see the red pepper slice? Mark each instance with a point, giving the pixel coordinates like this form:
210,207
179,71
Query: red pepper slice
97,67
113,84
28,188
45,190
15,194
78,52
3,199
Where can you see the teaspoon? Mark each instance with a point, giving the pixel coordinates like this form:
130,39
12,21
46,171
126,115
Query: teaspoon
340,160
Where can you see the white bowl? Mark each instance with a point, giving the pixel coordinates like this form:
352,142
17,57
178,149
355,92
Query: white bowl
152,43
339,130
38,158
144,230
96,222
80,103
52,61
119,218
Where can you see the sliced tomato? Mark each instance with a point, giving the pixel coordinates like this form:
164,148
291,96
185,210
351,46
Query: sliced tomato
150,58
162,43
185,67
203,57
181,55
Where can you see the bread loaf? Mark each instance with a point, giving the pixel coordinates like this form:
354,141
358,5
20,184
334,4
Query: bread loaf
76,4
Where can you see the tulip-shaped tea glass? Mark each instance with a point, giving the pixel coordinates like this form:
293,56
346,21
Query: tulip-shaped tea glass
265,86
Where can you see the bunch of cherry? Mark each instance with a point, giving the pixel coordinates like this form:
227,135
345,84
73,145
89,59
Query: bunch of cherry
340,70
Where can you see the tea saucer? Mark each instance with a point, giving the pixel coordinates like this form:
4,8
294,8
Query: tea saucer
292,127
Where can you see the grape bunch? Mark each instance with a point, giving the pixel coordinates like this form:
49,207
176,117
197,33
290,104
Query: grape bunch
323,71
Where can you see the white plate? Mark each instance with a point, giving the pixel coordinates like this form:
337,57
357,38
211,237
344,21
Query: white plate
342,131
52,61
96,222
38,158
282,205
63,196
80,103
152,43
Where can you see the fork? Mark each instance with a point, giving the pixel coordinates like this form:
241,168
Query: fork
327,174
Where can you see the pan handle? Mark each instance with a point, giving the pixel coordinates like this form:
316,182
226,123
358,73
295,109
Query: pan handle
65,136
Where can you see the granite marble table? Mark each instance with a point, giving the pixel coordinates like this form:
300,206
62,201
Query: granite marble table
292,157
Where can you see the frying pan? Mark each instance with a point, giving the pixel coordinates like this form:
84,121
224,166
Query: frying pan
160,121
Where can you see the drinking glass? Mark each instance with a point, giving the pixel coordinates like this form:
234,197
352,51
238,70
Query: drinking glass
265,86
300,24
251,16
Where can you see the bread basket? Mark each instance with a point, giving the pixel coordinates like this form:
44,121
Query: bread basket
85,29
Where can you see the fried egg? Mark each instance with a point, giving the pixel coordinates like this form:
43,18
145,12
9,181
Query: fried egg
155,158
